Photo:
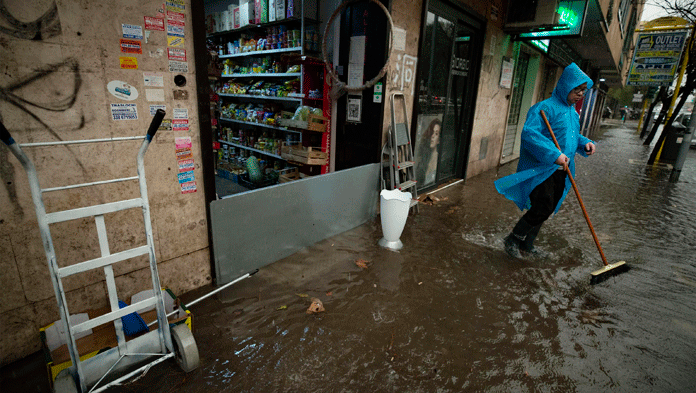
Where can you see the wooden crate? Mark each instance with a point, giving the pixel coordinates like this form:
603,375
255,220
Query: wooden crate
304,155
313,123
288,175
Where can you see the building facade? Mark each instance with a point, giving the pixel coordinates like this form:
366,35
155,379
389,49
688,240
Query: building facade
466,69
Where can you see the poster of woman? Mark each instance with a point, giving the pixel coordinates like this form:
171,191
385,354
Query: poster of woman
428,140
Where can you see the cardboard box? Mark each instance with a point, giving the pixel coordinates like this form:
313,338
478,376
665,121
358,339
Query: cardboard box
247,12
261,7
226,21
236,18
293,8
271,10
280,9
103,337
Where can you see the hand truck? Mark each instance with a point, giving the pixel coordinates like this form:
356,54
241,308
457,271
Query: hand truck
120,363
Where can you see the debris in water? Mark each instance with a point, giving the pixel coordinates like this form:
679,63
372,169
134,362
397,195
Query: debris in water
281,308
432,199
420,283
316,307
329,293
302,294
362,263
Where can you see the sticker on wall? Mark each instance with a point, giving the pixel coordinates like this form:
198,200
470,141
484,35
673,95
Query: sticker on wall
132,31
178,66
122,90
187,188
180,113
175,41
177,31
354,109
166,125
180,94
153,79
124,111
153,109
154,94
176,54
180,120
160,11
156,54
180,125
184,159
175,6
186,165
128,63
156,24
176,18
131,46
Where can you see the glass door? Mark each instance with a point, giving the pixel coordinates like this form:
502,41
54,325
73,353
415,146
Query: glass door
447,92
515,104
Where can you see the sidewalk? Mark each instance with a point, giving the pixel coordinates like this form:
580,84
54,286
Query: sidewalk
452,312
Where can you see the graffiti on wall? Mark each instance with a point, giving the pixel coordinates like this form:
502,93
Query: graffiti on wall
45,26
65,79
403,74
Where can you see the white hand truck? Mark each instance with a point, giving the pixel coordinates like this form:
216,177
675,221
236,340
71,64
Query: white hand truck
131,357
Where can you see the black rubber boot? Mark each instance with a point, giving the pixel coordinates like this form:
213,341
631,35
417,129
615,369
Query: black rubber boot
527,245
513,241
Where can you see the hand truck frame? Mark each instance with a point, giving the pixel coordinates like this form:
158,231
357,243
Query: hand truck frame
96,374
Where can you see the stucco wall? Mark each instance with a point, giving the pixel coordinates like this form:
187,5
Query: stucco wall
401,75
54,81
491,104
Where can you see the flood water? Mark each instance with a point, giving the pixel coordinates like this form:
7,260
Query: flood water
452,312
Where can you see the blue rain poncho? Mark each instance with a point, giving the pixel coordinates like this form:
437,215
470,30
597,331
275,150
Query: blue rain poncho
538,153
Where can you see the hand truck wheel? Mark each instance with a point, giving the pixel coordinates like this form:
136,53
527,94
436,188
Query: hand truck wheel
185,347
65,382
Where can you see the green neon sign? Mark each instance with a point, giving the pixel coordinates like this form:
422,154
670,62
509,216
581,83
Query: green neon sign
541,44
571,14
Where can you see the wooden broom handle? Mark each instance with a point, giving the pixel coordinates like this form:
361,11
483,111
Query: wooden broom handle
575,187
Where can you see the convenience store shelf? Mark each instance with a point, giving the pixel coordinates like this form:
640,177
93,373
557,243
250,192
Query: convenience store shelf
272,98
262,52
263,75
259,125
250,148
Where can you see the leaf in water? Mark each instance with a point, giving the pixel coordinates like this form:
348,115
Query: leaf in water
302,294
316,307
362,263
281,308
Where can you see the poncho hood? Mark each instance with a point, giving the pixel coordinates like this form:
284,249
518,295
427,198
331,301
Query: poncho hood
571,78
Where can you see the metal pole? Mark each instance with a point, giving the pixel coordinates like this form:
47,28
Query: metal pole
683,149
642,114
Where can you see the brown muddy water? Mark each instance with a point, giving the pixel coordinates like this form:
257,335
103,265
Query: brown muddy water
452,312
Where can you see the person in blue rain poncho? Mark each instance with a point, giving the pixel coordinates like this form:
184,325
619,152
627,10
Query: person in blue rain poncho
540,184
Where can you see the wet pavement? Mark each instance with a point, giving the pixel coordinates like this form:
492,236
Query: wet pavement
453,312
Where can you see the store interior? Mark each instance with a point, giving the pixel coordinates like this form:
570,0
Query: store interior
267,98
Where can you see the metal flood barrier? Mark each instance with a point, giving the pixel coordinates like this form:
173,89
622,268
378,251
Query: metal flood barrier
256,228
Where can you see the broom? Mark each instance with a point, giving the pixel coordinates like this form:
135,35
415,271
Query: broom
609,269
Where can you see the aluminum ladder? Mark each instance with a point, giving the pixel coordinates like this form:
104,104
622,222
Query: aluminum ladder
397,154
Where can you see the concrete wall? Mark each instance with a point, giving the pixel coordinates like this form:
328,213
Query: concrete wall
54,87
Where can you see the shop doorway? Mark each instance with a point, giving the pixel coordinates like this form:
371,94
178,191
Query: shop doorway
362,53
514,119
521,99
451,44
